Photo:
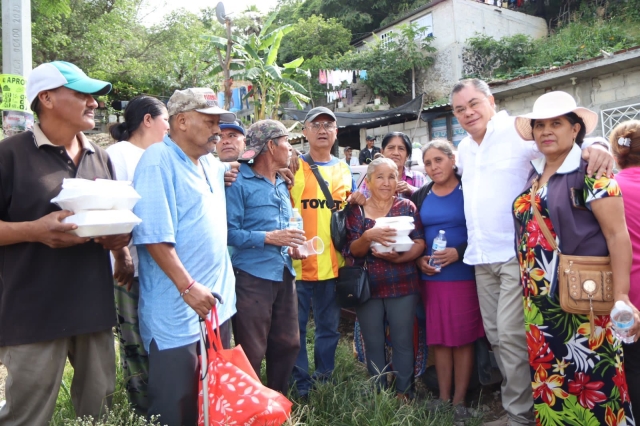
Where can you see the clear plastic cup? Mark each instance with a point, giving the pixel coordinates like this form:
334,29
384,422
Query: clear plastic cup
312,247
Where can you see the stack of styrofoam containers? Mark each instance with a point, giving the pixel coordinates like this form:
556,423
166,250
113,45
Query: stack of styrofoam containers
101,207
403,226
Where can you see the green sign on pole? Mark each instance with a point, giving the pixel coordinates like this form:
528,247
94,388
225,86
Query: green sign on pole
14,94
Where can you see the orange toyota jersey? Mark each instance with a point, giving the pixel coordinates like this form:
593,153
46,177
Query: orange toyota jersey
308,198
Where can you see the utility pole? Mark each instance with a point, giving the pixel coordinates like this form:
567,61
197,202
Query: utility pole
16,65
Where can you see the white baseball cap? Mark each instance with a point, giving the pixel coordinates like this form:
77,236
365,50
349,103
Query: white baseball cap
52,75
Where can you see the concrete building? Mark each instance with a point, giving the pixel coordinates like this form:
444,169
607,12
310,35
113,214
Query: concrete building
608,85
451,23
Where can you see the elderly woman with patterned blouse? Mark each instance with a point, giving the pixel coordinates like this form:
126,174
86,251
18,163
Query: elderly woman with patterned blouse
393,277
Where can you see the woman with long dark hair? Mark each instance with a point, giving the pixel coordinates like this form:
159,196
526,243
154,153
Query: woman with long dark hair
145,123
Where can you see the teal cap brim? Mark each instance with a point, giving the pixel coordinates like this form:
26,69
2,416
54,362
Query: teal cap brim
90,86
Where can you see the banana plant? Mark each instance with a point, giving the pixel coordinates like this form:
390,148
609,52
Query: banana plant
254,59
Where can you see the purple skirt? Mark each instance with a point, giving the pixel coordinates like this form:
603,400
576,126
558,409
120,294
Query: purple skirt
453,313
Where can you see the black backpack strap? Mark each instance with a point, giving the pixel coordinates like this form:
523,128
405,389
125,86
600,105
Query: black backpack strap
321,182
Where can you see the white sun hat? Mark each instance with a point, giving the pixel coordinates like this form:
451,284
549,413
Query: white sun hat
554,104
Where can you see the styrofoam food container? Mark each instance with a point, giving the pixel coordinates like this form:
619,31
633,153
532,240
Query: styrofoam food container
101,194
402,244
387,221
98,223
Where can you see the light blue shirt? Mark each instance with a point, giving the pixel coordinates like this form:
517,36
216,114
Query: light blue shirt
254,207
180,207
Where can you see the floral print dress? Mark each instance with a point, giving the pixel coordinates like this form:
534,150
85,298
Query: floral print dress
577,374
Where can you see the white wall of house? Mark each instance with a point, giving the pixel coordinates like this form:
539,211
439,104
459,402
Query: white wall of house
454,21
614,96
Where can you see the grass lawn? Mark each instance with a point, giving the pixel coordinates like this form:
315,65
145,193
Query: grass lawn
348,401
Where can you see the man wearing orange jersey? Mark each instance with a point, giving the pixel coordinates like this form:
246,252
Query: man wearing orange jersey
316,275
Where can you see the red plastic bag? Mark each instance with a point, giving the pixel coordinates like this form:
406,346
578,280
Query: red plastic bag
234,394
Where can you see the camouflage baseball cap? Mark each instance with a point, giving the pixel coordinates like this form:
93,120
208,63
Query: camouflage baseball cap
200,99
259,134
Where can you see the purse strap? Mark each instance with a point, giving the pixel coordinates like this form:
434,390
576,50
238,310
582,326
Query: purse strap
536,213
320,179
364,217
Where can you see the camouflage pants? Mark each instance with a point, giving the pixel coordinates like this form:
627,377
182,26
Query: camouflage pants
133,356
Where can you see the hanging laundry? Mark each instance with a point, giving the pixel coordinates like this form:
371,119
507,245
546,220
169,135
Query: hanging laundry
353,78
363,74
322,78
350,94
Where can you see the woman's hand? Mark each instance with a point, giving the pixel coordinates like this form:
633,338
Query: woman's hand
383,235
635,329
391,256
446,257
404,188
423,264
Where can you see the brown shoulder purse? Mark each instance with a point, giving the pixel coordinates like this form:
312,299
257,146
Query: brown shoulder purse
585,283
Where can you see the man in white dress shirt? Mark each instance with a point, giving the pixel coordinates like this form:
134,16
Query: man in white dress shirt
495,163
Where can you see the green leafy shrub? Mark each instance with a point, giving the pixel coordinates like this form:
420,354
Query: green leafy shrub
519,55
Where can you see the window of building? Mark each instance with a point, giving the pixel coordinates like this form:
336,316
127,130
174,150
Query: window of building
448,128
611,117
386,38
425,21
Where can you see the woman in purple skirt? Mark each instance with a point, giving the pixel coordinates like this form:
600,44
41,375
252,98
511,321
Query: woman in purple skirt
454,321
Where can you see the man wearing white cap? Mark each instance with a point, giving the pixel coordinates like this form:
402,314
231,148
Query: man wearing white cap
494,162
182,251
56,289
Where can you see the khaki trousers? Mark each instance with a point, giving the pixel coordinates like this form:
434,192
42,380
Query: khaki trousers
501,304
35,373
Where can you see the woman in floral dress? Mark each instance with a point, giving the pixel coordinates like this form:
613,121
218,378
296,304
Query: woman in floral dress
577,373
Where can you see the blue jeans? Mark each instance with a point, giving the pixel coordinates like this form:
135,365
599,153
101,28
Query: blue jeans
326,313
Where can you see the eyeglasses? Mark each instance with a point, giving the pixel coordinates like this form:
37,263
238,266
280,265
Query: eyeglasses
329,126
473,105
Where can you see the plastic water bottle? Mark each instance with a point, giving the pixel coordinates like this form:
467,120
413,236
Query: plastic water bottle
622,320
439,243
295,221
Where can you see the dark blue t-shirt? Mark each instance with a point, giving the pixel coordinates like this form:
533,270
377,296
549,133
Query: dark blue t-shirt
446,213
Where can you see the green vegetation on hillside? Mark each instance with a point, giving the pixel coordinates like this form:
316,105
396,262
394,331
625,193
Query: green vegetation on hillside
592,31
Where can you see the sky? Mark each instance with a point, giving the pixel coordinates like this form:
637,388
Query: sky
160,8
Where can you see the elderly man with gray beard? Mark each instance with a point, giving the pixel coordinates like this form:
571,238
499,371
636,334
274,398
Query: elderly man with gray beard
258,213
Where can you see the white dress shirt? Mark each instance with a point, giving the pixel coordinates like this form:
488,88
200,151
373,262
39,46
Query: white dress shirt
493,175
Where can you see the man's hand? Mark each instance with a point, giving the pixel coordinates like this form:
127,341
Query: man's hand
423,264
123,269
295,254
50,230
294,163
285,237
113,242
446,257
383,235
357,198
599,160
231,175
286,176
200,299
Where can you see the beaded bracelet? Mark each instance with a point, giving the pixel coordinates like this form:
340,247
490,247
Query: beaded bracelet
188,288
